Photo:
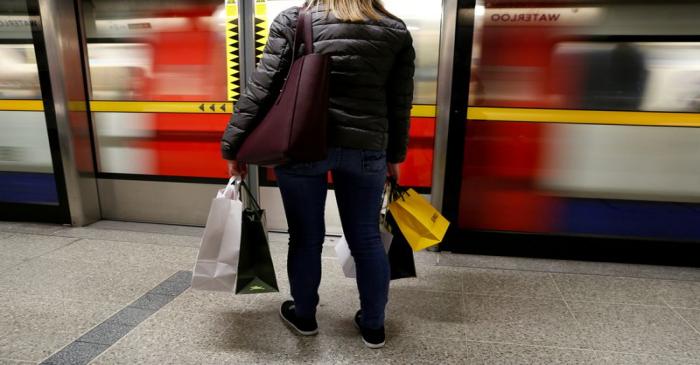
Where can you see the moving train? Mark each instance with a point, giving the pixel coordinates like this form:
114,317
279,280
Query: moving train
627,172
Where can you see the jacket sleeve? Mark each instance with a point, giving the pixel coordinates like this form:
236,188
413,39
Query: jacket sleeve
399,101
263,86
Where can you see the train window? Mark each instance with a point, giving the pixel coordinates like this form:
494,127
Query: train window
157,69
610,56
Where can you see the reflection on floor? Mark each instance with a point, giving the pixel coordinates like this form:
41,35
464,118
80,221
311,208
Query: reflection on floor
116,293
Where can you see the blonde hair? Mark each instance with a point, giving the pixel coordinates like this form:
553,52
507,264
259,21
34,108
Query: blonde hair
353,10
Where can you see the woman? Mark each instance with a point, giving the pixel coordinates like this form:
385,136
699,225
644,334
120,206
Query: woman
372,66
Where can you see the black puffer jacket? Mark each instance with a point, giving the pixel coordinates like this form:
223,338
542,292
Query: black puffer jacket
371,92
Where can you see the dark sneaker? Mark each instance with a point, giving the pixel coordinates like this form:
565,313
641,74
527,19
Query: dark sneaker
373,339
304,327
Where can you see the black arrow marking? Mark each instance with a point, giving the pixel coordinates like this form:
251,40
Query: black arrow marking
259,21
223,107
212,107
201,107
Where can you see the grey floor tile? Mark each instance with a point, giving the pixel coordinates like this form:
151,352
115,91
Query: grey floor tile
493,262
685,294
152,301
131,316
692,316
4,235
8,262
570,266
116,282
34,328
609,289
34,348
140,254
508,354
131,236
171,287
31,316
526,321
106,333
75,354
149,228
24,246
509,283
433,278
157,354
636,329
425,314
420,350
199,301
624,270
15,362
168,337
181,277
330,346
30,228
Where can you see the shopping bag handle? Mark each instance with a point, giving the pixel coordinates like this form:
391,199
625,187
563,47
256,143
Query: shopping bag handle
233,185
250,195
396,192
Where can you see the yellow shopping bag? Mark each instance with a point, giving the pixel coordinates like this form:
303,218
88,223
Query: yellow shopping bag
421,224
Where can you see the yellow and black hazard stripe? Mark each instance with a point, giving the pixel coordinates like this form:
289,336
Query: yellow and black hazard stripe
261,31
233,63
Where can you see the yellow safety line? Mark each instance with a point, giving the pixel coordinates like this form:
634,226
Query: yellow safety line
22,105
208,107
418,111
584,117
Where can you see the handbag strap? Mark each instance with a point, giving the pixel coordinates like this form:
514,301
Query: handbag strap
304,33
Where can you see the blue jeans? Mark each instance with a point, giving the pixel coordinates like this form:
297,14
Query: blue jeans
358,178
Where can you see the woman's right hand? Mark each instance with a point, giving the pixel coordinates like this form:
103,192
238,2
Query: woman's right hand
394,170
236,168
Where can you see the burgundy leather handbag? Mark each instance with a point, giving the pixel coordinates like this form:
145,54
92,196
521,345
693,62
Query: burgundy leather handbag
294,129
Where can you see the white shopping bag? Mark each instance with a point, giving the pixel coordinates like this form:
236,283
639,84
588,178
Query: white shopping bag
217,261
342,251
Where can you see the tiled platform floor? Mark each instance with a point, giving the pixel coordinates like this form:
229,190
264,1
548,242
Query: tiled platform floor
59,283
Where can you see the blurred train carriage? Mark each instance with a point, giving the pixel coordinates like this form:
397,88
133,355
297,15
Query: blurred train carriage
618,174
582,116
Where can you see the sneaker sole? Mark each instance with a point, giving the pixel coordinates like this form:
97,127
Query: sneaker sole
373,346
295,328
